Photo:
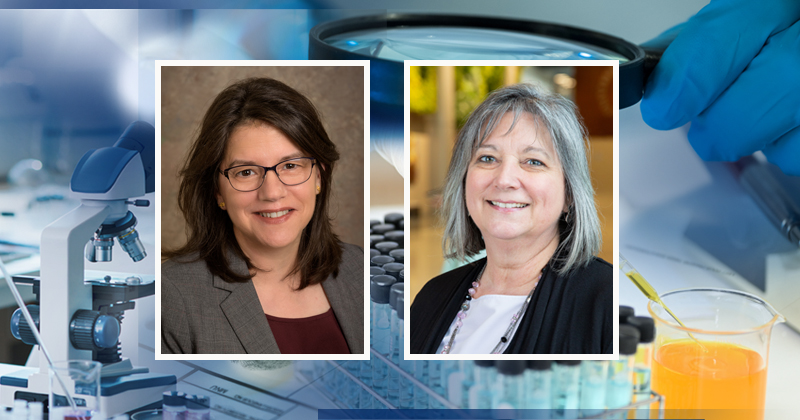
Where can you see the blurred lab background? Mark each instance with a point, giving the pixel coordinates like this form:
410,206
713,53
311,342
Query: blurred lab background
72,80
442,98
336,92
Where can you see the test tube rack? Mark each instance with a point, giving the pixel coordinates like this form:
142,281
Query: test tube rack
335,376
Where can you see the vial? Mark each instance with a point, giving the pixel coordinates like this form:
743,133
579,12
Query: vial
538,383
594,374
452,377
406,386
435,383
381,229
380,292
566,376
393,219
381,260
510,392
198,407
620,372
393,387
420,374
395,236
173,404
624,313
482,394
386,247
35,410
393,269
468,382
375,239
397,254
643,361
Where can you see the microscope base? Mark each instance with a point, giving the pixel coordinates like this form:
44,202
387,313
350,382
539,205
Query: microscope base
117,395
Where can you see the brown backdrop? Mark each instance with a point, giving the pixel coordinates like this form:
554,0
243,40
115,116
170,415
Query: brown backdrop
338,94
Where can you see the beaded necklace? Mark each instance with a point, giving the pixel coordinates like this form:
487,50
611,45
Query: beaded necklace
503,343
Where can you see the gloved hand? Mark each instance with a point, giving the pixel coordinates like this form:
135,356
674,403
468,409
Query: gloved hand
734,72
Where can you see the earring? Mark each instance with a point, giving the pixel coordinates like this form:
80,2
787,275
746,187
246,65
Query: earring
222,205
319,189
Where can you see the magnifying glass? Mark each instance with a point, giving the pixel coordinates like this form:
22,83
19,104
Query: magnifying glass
386,40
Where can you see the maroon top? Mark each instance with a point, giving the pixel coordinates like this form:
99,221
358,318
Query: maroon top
318,334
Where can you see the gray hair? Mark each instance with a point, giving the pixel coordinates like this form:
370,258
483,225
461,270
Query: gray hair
579,228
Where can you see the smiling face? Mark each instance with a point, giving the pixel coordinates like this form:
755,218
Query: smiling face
515,188
273,216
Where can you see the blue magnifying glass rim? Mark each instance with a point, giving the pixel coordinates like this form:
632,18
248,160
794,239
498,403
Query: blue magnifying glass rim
386,76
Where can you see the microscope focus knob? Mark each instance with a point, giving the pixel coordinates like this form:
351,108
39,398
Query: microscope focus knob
89,330
20,328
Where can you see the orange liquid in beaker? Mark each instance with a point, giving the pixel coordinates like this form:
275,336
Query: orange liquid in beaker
726,382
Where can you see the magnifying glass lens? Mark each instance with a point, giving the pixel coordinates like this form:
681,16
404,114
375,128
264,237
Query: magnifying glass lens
464,43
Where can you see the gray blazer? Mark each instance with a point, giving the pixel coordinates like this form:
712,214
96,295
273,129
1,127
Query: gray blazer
202,313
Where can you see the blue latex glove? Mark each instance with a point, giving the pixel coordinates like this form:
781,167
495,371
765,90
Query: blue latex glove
733,71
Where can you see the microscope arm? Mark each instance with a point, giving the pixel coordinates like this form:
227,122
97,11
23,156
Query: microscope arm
63,291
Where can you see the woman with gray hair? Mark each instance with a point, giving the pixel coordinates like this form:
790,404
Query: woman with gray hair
518,186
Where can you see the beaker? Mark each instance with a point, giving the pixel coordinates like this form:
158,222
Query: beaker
720,370
80,379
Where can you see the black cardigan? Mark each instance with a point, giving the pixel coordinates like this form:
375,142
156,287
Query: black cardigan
567,315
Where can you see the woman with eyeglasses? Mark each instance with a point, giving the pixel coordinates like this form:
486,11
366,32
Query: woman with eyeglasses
262,271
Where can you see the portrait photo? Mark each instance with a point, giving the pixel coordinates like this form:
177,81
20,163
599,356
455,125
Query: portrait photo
263,214
512,208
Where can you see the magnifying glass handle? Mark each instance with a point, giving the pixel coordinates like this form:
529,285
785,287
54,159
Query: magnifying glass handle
652,55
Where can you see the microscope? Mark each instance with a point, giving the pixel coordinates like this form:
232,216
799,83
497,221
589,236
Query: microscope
80,319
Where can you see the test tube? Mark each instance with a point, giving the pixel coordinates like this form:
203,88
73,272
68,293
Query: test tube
620,372
435,383
406,386
352,391
420,374
510,392
452,377
173,405
594,374
538,386
380,292
482,394
643,361
566,376
467,383
393,387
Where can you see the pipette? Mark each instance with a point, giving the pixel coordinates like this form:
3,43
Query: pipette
35,331
650,292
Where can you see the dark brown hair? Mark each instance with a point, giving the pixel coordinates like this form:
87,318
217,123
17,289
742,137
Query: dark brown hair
209,229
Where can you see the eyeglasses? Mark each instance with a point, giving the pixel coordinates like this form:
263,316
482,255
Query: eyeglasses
290,172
